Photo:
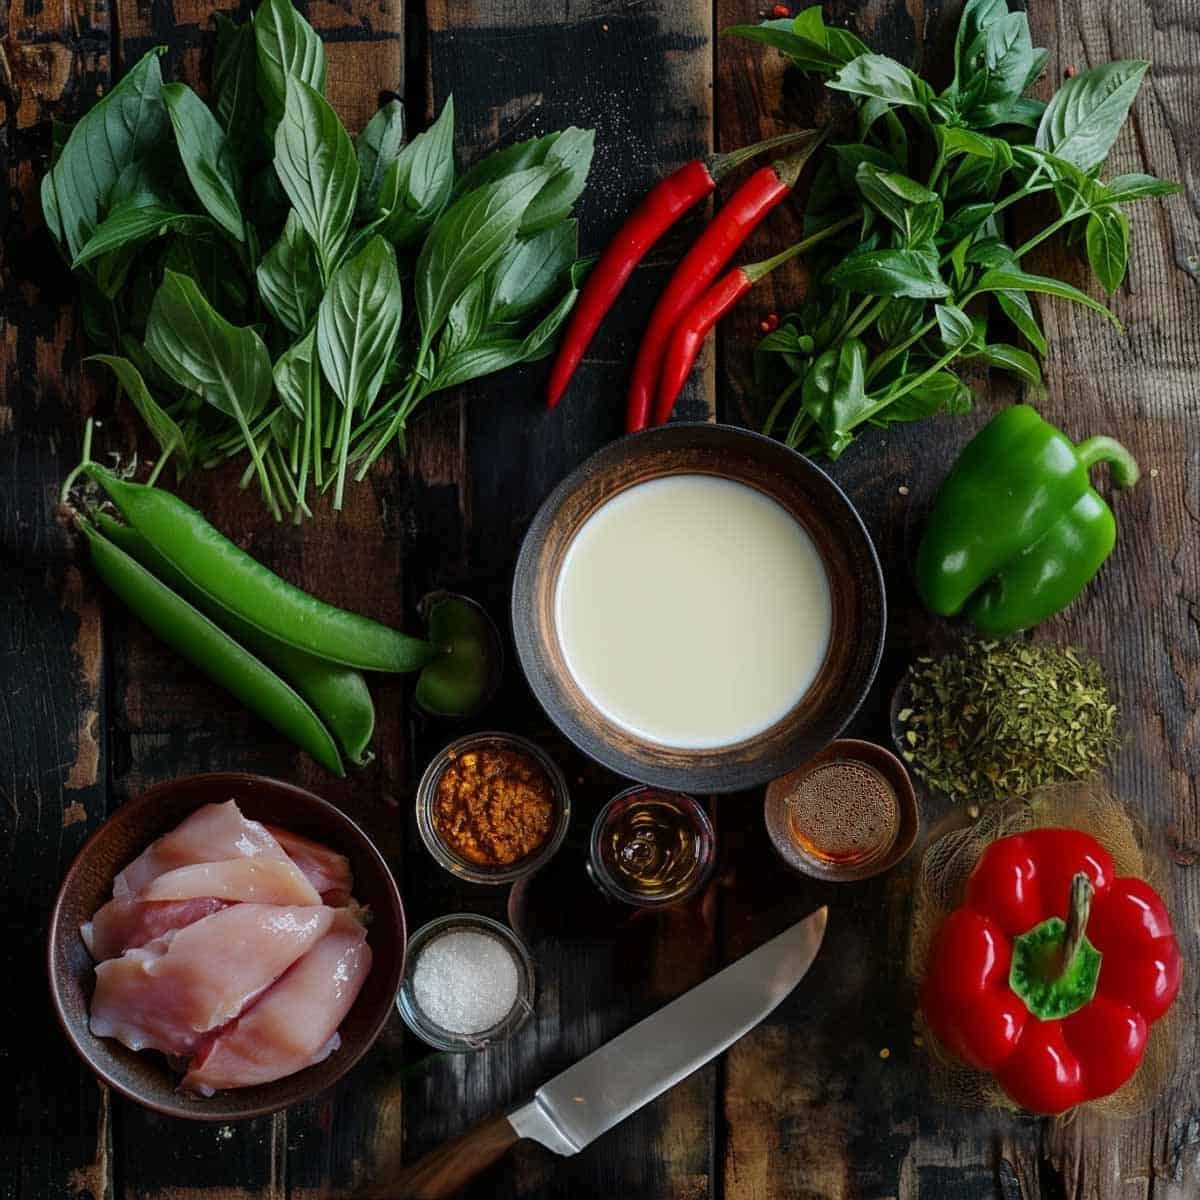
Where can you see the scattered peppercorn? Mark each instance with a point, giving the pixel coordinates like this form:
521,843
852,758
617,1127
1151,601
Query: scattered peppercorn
781,10
1070,72
1004,719
493,806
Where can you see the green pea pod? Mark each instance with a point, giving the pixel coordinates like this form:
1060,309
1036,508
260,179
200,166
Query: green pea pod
241,585
338,694
207,646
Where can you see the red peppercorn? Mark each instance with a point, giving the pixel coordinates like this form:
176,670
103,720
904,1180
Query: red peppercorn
1070,72
781,10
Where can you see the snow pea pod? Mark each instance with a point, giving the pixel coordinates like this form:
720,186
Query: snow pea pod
207,646
338,694
241,585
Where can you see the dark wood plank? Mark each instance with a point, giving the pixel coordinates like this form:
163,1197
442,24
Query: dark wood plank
481,463
167,720
53,766
809,1106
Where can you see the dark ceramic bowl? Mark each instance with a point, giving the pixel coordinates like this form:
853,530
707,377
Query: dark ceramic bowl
145,1077
817,503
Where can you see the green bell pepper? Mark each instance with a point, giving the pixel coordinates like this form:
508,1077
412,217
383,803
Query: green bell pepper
1017,531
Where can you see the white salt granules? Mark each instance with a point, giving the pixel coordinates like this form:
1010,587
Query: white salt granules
465,981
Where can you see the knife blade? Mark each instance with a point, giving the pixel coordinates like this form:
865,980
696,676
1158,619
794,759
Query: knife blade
602,1089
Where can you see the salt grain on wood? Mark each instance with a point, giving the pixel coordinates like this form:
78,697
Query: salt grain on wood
465,981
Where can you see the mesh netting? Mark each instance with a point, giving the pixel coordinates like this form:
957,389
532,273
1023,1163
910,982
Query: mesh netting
941,880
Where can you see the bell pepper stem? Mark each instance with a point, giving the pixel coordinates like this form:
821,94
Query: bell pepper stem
1125,471
1082,891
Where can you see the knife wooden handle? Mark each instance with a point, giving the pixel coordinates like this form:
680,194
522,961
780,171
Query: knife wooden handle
447,1170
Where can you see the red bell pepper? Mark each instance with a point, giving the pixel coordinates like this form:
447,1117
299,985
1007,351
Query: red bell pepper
1052,971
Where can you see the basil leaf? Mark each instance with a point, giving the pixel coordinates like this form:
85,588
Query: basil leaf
125,125
1000,279
911,272
955,328
914,210
162,426
235,86
805,53
529,272
942,392
1108,246
520,156
207,157
289,279
226,366
133,224
206,260
571,154
1136,187
288,47
1016,362
467,239
834,390
964,221
419,182
376,148
1016,307
1082,120
882,78
296,373
315,160
466,317
358,323
977,15
1003,63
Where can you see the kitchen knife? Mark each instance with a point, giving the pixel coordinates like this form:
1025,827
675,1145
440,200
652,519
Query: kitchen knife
588,1099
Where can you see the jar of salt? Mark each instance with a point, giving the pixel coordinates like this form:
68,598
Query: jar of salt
468,982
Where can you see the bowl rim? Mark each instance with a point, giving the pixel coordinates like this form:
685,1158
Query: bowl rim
145,799
685,780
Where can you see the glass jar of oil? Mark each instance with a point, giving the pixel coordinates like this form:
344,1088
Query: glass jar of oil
651,848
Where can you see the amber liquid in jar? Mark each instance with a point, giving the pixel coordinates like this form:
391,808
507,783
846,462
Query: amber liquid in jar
844,813
651,847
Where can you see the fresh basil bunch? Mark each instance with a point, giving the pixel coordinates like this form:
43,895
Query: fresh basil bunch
887,316
263,284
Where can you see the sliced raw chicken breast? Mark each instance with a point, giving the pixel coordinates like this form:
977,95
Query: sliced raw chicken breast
294,1023
256,880
168,994
125,923
325,869
214,833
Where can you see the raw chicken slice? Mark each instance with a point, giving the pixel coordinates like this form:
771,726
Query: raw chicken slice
258,880
125,923
327,870
167,994
214,833
294,1024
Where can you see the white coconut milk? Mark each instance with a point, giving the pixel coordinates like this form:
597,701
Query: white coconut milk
693,611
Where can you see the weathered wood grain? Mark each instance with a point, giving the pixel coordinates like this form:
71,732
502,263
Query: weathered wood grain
53,763
810,1108
481,464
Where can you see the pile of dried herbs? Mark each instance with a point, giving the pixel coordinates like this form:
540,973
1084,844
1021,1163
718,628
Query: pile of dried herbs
1004,719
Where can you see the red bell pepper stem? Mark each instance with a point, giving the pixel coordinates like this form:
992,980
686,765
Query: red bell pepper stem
732,225
688,336
1078,911
661,208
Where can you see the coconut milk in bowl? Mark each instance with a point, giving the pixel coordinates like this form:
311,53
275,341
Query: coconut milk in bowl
693,611
698,608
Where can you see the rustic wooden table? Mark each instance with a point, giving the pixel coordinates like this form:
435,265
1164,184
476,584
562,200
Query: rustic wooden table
92,710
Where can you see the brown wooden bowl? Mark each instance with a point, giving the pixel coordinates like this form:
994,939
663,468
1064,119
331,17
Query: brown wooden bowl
145,1077
805,491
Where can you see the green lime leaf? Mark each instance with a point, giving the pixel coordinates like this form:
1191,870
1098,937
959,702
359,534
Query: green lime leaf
459,682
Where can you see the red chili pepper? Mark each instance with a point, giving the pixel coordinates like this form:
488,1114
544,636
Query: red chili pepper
661,208
688,335
1057,1010
732,225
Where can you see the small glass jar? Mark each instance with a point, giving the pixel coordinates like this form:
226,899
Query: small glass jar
476,872
429,1030
659,822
